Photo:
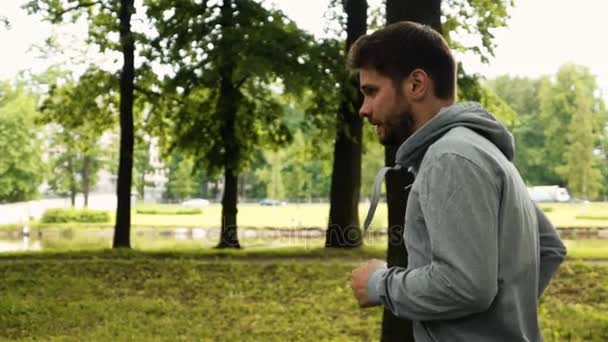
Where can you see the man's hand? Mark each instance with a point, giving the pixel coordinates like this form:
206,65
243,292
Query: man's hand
359,278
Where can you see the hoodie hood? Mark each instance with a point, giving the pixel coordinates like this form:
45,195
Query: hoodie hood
467,114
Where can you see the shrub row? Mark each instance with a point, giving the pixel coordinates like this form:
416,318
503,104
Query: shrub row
60,215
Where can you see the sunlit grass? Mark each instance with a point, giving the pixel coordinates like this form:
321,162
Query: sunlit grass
564,214
292,216
587,249
315,215
149,240
265,295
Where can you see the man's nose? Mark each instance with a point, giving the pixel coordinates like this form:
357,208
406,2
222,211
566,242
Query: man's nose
365,110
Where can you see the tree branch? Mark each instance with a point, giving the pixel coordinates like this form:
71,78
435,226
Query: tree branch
79,5
147,92
240,83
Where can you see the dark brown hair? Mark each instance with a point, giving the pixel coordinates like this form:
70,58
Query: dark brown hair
396,50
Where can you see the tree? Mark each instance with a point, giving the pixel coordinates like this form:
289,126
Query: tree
81,110
394,328
307,171
63,175
343,227
581,169
73,163
122,235
181,183
21,167
104,17
218,104
522,94
273,174
603,157
141,165
573,116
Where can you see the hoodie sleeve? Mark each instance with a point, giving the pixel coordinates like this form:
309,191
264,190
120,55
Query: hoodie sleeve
460,205
552,250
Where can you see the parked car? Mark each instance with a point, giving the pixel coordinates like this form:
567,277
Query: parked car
272,202
195,203
549,193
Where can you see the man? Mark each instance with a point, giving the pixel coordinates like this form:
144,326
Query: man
480,252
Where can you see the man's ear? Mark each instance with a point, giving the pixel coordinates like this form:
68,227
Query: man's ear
419,84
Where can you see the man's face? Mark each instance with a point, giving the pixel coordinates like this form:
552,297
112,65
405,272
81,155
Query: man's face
385,107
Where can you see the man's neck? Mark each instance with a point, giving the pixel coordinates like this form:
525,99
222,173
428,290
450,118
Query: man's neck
429,111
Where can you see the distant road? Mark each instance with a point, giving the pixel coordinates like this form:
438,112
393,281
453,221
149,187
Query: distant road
19,212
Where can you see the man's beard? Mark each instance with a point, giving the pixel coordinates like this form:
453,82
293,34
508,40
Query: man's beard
398,131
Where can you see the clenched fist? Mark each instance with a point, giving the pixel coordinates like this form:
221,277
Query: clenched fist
359,278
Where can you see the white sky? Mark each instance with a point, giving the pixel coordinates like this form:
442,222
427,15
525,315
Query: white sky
541,36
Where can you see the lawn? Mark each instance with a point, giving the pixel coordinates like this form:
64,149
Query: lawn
291,294
149,240
292,216
564,215
313,215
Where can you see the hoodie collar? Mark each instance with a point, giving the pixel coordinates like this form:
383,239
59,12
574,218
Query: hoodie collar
466,114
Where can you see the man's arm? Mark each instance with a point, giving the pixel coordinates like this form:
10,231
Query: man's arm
460,204
552,250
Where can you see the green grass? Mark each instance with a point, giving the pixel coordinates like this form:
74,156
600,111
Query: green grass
148,240
165,209
305,216
576,215
592,217
249,295
587,249
293,216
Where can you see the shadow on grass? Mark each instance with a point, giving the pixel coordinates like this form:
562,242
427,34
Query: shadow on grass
245,254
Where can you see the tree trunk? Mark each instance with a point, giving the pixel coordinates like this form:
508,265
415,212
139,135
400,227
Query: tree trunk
242,187
73,187
86,166
142,186
122,234
425,12
343,229
229,235
228,106
204,187
394,328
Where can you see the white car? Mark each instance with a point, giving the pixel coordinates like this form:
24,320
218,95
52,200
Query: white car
195,203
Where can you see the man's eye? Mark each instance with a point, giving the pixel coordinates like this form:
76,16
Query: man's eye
369,92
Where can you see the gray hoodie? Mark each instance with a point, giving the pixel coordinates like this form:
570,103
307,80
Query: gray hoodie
480,252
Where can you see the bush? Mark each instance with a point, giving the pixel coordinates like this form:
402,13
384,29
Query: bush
547,209
75,215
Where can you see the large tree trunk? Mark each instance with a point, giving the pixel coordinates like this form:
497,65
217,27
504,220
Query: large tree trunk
122,229
426,12
343,229
86,181
228,105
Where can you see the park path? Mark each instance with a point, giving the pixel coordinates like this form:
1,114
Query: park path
17,213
